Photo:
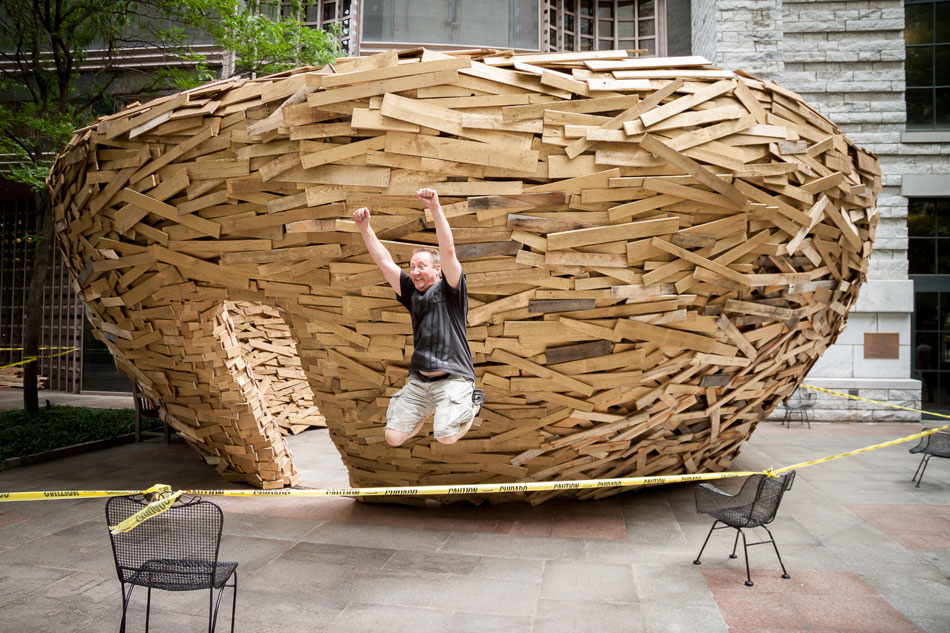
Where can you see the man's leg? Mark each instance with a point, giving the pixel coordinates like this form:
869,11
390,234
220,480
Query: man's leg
407,412
455,409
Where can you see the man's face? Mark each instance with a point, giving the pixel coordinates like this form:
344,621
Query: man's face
422,271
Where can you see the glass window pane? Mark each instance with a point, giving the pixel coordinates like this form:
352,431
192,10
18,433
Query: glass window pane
587,26
941,212
329,11
943,22
647,28
921,257
605,9
625,9
650,45
606,28
943,259
943,391
587,7
313,13
569,23
587,43
568,42
945,312
646,9
626,29
925,353
942,107
928,391
627,45
918,23
920,109
925,311
508,23
605,45
921,221
919,66
942,60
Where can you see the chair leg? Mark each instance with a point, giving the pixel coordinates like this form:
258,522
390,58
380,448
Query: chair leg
775,546
148,608
213,615
698,561
736,543
745,548
234,601
126,598
921,467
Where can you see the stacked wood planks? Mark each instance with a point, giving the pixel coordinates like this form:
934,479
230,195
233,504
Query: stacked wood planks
268,347
13,377
656,250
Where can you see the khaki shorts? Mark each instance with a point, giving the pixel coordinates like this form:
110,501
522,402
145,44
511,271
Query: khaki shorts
450,398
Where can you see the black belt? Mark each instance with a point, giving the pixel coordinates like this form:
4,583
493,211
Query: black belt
432,378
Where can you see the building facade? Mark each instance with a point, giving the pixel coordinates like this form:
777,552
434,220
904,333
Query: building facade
880,69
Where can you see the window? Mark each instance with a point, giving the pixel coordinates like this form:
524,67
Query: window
927,65
928,232
320,14
586,25
495,23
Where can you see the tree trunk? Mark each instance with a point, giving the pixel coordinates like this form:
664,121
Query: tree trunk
33,311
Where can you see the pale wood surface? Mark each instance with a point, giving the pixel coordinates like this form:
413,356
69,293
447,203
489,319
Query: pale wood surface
657,251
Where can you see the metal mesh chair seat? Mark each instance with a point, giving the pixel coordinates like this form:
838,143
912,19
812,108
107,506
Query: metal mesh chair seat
933,445
177,574
755,505
176,550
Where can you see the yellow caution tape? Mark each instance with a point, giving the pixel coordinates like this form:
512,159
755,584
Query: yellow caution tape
900,440
166,497
30,359
151,510
886,404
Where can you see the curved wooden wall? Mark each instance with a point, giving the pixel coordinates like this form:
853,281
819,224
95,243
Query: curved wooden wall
657,252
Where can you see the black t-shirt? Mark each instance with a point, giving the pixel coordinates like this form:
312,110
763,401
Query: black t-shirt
438,326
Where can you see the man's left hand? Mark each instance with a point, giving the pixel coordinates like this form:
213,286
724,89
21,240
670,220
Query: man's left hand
429,197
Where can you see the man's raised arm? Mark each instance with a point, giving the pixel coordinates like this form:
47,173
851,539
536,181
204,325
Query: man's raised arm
451,268
377,251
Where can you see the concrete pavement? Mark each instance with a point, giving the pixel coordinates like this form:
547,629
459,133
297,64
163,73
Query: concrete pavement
866,550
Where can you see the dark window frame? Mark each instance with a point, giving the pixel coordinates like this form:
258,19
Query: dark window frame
938,117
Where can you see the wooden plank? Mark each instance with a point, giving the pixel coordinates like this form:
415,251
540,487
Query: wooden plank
534,369
461,151
360,91
693,258
661,150
612,233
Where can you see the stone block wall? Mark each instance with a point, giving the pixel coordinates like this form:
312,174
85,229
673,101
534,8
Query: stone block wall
744,34
832,408
846,58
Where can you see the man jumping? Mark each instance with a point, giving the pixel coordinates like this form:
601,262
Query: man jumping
441,373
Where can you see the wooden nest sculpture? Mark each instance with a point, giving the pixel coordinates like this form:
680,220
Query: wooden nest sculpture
656,252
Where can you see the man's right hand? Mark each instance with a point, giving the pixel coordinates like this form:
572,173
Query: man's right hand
361,217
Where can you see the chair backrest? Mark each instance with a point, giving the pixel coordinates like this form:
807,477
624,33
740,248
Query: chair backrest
808,399
938,444
189,529
768,496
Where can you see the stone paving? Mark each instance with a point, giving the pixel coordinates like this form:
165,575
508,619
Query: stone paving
866,550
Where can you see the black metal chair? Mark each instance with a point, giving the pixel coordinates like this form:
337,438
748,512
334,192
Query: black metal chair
176,550
753,506
800,405
933,445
